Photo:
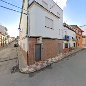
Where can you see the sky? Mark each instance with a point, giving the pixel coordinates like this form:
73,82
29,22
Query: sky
73,13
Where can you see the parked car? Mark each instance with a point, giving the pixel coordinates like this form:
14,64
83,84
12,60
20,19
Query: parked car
16,45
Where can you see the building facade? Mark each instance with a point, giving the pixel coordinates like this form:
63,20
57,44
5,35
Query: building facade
84,35
83,41
41,31
69,37
3,36
79,32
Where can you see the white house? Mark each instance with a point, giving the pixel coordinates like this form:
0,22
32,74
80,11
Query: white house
69,37
3,36
41,30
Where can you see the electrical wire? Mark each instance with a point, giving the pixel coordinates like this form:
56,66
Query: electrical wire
12,9
12,4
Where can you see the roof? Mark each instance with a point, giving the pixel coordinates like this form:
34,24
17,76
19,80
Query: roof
75,26
68,26
57,5
84,36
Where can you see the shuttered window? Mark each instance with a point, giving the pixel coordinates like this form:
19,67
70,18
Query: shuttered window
48,23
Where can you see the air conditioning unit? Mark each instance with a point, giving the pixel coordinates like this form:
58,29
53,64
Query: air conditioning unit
39,40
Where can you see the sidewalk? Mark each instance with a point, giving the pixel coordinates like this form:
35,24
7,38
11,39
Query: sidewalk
43,64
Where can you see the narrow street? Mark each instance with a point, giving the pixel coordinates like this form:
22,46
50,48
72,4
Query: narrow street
69,72
8,59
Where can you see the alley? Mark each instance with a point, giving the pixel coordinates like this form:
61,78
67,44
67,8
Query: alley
8,58
69,72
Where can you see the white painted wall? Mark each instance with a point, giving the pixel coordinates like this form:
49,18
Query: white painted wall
23,27
37,16
52,6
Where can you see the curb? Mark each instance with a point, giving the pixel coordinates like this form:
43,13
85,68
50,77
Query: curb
43,64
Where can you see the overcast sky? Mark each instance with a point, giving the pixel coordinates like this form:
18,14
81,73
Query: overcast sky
73,12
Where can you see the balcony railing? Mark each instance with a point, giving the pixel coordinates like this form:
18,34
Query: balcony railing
66,37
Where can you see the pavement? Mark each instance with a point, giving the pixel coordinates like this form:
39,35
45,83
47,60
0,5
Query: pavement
70,71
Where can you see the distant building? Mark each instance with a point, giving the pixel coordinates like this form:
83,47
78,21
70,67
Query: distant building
3,36
84,36
84,29
10,39
84,41
69,37
79,32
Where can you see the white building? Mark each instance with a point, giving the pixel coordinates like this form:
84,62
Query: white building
3,36
41,29
69,37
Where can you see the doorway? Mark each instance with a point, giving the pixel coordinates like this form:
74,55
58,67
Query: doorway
37,52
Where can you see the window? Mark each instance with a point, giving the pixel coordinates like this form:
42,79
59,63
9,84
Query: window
48,23
78,44
66,45
74,45
79,38
44,4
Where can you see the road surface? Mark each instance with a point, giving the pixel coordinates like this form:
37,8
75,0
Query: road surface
69,72
8,58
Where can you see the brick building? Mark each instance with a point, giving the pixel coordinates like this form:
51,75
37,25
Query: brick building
79,32
83,41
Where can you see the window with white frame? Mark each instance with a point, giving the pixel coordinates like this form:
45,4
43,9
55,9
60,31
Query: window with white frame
44,4
48,23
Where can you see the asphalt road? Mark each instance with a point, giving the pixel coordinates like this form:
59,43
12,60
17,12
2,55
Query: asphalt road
68,72
8,58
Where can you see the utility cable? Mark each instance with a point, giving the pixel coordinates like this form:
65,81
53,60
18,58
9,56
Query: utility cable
12,9
12,4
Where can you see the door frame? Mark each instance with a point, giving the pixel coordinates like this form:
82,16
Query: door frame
40,51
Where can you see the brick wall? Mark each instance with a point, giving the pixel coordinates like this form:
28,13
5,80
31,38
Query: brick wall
31,52
50,48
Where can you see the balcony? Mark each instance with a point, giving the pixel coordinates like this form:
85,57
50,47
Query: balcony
66,37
